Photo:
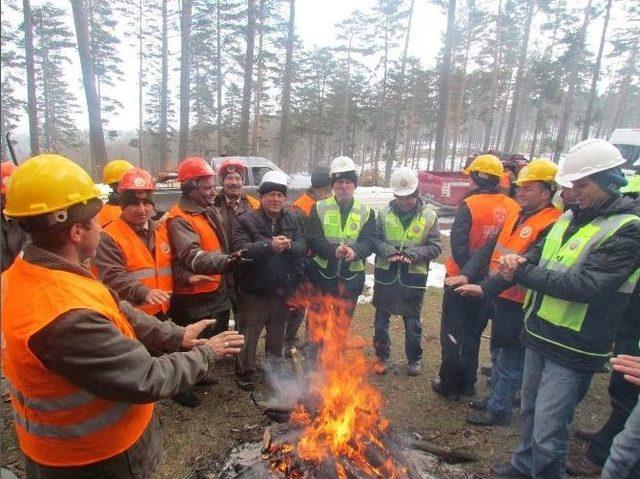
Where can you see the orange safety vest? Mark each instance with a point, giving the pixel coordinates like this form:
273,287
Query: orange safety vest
58,423
517,241
304,203
208,241
154,272
488,214
253,203
108,213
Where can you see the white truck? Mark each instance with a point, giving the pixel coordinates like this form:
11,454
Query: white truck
627,140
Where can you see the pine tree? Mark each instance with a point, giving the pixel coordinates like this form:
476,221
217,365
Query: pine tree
11,106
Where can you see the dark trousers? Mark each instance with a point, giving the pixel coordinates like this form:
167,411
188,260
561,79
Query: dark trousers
412,336
463,320
256,313
292,326
624,397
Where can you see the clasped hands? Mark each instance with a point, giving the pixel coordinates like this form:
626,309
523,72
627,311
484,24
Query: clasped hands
507,266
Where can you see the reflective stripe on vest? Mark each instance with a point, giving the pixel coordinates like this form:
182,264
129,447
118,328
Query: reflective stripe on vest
334,233
396,235
488,214
58,423
209,243
517,241
152,271
570,256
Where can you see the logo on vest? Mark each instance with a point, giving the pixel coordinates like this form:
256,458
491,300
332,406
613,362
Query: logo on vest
574,244
415,229
499,215
164,247
526,232
353,226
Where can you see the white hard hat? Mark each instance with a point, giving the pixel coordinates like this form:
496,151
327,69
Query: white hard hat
404,181
342,164
275,176
586,158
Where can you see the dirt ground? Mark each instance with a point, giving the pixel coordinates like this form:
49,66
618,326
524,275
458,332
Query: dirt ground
195,439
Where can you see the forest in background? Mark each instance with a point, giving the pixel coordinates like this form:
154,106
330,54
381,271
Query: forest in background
517,76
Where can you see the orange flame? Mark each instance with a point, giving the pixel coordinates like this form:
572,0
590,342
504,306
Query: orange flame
348,422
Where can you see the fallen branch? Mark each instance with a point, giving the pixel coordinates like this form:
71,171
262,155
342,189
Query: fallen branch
446,453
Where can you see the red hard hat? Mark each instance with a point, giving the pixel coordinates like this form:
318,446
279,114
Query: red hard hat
232,166
136,179
194,167
6,169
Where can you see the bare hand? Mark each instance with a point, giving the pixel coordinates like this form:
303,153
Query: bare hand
455,281
280,243
629,366
199,279
472,290
227,343
349,254
157,296
393,257
192,332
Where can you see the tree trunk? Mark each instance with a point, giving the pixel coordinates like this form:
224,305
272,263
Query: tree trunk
396,118
444,90
248,78
623,94
255,137
347,94
96,135
32,104
522,63
219,80
462,86
185,78
573,79
596,74
494,82
286,87
164,91
140,82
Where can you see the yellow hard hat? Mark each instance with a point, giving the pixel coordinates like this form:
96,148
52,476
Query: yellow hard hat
489,164
114,170
47,183
539,169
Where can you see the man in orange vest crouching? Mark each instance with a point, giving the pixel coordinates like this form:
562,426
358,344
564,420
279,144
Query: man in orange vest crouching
134,257
79,364
478,219
536,187
201,265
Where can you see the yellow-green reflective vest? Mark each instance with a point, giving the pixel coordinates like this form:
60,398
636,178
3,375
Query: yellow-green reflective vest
396,235
331,220
569,257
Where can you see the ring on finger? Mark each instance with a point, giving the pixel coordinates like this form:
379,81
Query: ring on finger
226,344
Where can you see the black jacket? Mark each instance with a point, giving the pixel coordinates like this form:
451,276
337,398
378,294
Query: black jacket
269,272
596,283
12,240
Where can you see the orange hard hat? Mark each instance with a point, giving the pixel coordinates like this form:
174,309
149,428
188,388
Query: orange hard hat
136,179
194,167
232,166
6,169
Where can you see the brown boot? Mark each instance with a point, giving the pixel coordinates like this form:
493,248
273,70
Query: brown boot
583,466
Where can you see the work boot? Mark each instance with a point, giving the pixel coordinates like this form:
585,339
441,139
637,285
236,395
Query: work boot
583,466
414,368
436,385
505,470
487,418
479,404
245,382
187,399
382,366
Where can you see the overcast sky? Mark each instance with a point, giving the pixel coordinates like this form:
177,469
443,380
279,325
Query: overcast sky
315,25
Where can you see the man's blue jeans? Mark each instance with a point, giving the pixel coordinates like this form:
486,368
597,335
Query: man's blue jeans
412,336
550,394
506,380
625,450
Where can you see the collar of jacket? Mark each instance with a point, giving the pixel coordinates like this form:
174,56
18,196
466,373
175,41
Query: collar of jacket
47,259
616,205
487,191
190,206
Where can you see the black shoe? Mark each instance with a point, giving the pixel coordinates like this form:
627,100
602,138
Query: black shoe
436,385
506,470
208,381
187,399
479,404
245,383
486,418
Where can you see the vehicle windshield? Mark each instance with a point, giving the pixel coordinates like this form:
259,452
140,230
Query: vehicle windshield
631,153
